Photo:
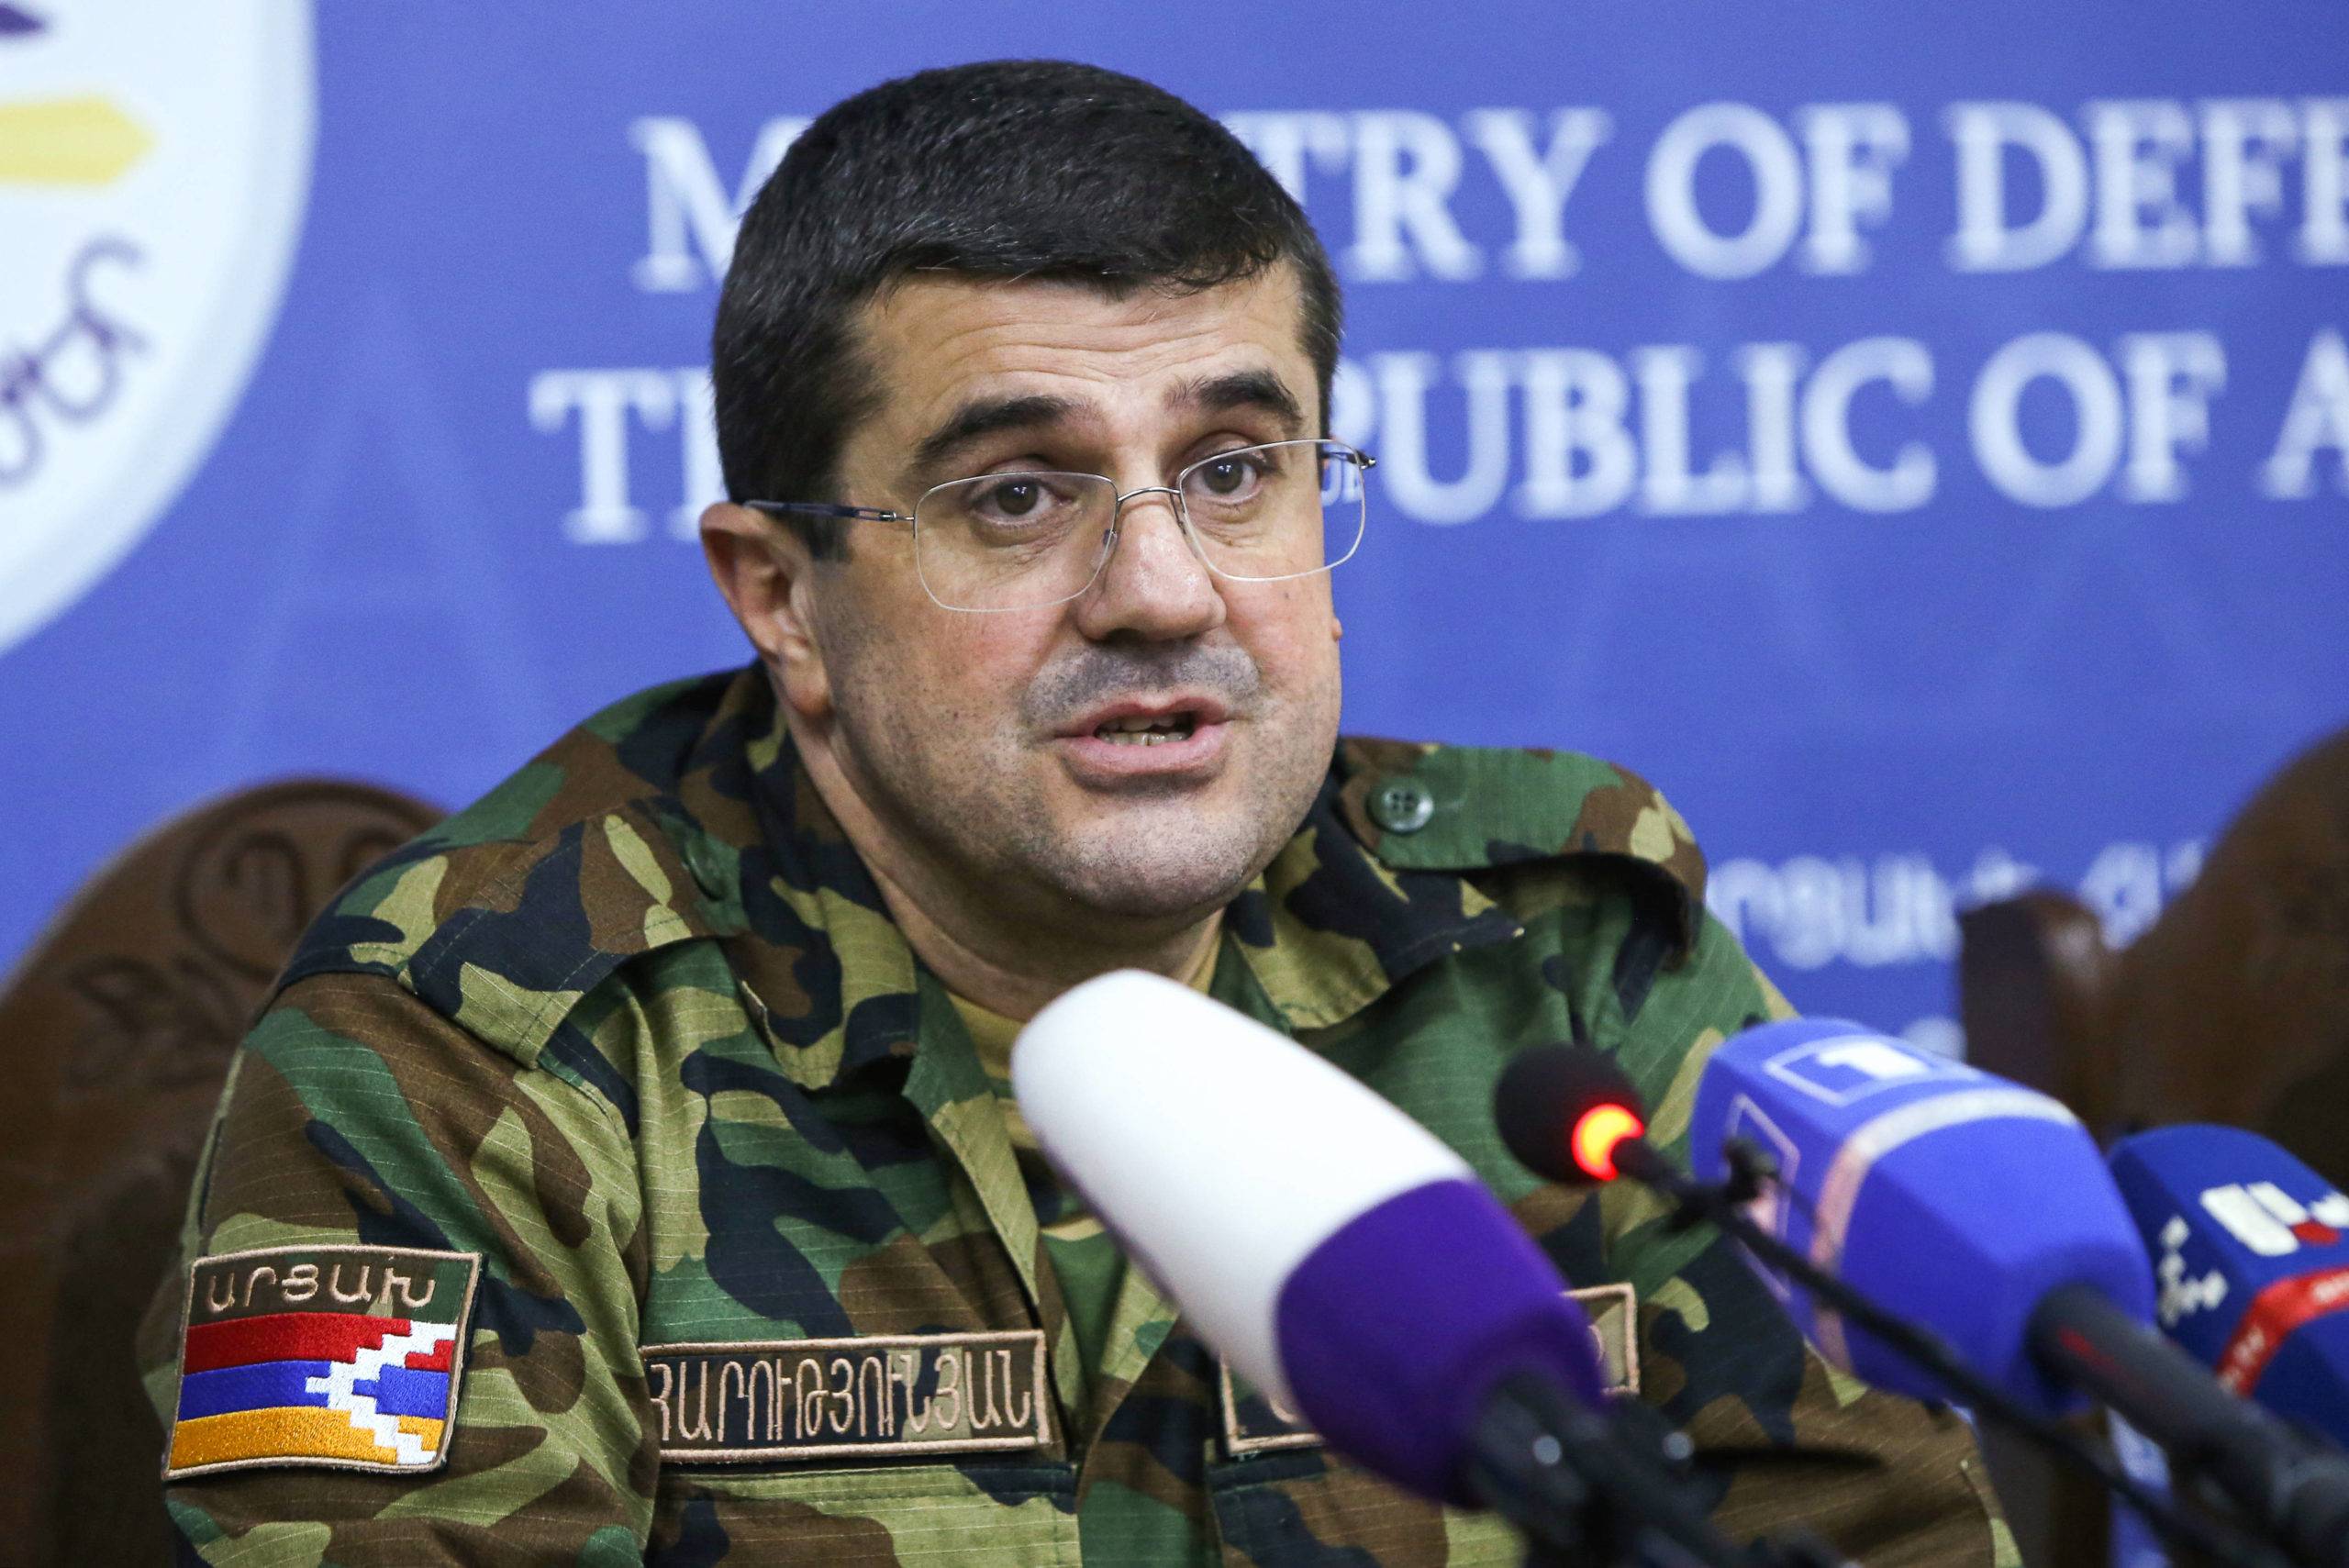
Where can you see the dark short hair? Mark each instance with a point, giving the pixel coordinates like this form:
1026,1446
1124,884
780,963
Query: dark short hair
1010,168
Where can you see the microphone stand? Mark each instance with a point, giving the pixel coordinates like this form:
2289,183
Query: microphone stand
1750,1170
2296,1490
1567,1476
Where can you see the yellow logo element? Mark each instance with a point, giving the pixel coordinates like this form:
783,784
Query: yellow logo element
154,165
69,141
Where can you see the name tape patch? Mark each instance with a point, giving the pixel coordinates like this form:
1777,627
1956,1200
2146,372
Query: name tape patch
881,1394
1255,1422
342,1356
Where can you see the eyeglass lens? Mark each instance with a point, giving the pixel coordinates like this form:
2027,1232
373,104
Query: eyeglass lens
1022,541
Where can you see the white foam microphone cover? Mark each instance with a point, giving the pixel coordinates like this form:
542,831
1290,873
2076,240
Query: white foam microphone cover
1218,1151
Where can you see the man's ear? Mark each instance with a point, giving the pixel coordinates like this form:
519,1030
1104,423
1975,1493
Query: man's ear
769,579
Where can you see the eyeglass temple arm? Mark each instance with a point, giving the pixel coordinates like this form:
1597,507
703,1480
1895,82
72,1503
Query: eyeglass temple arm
827,509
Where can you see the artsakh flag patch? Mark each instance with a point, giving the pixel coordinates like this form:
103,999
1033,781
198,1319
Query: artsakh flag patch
342,1356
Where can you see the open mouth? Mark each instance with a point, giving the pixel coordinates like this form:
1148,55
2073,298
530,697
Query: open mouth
1148,730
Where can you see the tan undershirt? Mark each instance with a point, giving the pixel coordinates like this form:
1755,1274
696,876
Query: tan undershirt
1090,1268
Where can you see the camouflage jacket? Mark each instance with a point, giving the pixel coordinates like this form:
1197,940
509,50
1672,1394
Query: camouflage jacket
617,1187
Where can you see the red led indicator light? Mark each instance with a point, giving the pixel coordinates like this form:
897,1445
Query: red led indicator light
1596,1136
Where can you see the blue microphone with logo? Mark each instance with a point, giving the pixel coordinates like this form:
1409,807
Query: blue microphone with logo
2250,1252
1946,1195
1946,1233
1983,1211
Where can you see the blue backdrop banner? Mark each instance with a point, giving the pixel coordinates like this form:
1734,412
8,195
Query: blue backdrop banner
1919,444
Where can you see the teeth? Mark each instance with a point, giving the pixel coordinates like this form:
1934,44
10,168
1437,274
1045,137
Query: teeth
1139,730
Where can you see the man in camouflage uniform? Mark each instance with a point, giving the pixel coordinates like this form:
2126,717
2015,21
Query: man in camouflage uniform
624,1171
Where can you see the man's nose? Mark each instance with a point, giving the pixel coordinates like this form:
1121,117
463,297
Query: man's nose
1154,585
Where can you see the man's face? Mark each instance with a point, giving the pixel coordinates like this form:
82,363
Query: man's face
980,744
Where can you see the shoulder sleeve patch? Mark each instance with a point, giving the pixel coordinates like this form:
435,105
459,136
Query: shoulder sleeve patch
1466,808
342,1356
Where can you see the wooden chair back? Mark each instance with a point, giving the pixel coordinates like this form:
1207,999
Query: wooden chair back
2232,1007
116,1031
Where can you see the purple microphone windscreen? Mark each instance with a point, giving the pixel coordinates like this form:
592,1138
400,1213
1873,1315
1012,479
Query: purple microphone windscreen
1335,1252
2251,1264
1954,1198
1394,1330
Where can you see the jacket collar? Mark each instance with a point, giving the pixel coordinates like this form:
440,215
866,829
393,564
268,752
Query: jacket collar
1329,927
825,969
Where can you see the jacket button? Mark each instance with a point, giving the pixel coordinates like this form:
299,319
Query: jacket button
1402,805
703,859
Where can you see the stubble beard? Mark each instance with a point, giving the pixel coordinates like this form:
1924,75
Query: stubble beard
1163,861
980,823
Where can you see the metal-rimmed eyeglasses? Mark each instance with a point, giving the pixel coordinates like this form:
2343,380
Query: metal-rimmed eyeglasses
1026,541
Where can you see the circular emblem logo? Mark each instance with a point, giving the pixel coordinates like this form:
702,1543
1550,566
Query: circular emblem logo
154,163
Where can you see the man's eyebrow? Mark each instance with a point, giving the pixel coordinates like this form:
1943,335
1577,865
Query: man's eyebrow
1243,389
982,418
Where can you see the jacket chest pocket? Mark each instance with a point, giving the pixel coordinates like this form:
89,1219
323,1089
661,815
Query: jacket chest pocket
876,1514
1301,1507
